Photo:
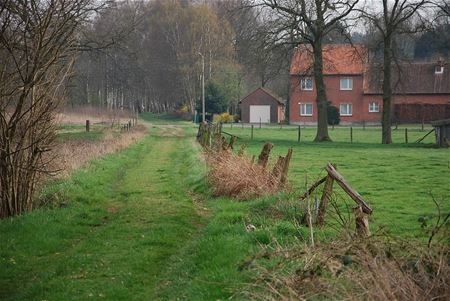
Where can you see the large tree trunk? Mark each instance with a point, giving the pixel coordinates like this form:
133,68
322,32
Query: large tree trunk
322,120
387,93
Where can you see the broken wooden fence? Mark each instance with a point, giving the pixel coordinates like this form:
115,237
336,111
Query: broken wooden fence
210,136
362,211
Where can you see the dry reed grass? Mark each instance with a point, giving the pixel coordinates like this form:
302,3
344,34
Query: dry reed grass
372,269
79,115
71,155
238,177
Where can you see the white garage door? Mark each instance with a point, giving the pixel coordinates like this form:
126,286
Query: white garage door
259,114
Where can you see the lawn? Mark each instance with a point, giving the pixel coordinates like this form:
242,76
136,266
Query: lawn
398,180
142,225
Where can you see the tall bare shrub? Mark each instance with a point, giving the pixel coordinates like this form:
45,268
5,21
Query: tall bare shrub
37,47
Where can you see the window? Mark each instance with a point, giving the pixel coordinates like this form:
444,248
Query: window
346,109
439,69
306,109
346,83
374,107
306,84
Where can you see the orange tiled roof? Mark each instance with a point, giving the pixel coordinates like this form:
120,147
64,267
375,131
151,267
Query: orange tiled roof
336,58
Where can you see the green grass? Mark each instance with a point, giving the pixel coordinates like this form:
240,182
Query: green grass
162,119
141,225
121,222
397,180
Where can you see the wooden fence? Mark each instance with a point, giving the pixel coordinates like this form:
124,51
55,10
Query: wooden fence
210,136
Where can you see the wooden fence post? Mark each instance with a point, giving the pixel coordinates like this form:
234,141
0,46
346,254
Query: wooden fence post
259,122
87,125
232,141
284,172
362,222
251,136
324,200
406,135
263,157
241,150
276,171
299,134
351,134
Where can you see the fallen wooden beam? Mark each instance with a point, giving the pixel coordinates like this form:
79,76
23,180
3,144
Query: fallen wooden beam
348,189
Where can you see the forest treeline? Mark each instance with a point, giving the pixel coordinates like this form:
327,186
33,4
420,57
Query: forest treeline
147,55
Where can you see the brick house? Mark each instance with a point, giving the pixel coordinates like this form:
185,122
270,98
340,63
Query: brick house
262,105
353,85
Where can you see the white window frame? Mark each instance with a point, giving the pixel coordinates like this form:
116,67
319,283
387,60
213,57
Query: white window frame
303,105
303,84
348,105
440,70
374,107
349,85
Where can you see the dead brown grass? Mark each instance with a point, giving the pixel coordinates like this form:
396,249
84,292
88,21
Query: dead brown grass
71,155
79,115
236,176
345,269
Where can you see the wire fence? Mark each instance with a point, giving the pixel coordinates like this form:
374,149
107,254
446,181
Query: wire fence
401,134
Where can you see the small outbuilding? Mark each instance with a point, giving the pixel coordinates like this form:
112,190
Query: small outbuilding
442,130
262,106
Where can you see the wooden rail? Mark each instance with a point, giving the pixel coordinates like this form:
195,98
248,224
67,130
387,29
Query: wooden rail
348,189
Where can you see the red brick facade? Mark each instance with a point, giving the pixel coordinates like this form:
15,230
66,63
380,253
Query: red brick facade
355,97
365,98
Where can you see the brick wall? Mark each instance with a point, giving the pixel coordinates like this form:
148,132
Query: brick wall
406,108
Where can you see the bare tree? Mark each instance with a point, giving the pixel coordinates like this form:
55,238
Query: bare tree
444,7
310,21
37,42
389,23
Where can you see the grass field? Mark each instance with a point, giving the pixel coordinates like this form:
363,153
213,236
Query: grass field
141,224
398,180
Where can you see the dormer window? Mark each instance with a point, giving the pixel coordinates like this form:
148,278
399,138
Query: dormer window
306,84
439,69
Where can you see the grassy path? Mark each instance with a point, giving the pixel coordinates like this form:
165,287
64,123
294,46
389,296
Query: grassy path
142,225
126,219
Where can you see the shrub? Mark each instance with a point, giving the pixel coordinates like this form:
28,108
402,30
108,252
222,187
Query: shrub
226,117
333,114
184,109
